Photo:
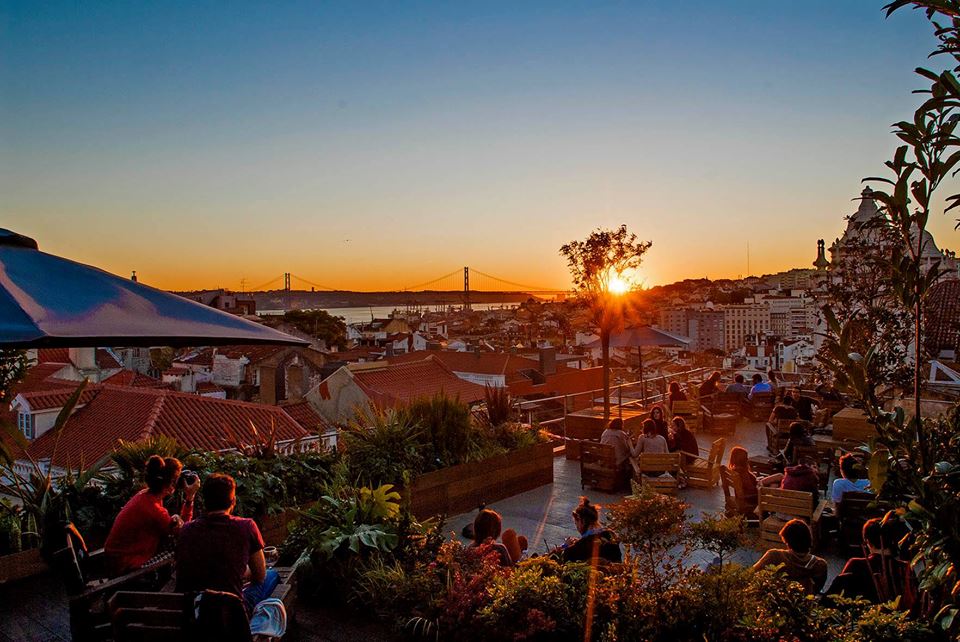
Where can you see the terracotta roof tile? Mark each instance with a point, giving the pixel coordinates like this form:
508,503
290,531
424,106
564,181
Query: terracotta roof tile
405,382
497,363
304,414
133,379
568,382
47,399
131,414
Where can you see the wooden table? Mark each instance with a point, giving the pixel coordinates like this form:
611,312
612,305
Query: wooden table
852,424
589,424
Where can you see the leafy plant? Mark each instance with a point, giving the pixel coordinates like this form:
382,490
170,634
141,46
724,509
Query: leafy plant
382,447
498,407
446,428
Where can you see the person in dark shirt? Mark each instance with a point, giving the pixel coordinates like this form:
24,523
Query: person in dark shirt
798,437
684,441
783,410
880,576
216,550
798,564
828,393
711,385
806,407
659,420
595,542
676,393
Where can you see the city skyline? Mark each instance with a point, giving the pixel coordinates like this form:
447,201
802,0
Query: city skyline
380,146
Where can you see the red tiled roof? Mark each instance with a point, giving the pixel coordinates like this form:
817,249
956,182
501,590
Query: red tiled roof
567,382
304,414
405,382
47,399
105,360
133,379
132,414
368,353
207,387
486,363
40,377
254,353
943,317
176,370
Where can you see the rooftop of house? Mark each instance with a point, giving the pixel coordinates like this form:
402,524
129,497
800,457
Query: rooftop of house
566,382
115,413
484,363
304,414
404,382
105,359
134,379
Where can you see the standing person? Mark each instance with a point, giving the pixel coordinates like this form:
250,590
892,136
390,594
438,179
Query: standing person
215,550
676,393
684,441
658,418
759,385
143,523
739,465
798,563
614,435
595,542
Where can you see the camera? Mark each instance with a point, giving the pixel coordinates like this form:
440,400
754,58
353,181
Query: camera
187,478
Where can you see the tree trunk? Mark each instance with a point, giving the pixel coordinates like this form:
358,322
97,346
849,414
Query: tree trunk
605,347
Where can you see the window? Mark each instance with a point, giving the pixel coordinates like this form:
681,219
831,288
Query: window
25,424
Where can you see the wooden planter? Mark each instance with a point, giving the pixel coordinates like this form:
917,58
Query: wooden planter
20,565
462,488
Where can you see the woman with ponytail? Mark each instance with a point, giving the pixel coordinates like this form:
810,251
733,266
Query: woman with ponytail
595,542
144,523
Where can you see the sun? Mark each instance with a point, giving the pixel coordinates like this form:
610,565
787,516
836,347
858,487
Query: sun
617,285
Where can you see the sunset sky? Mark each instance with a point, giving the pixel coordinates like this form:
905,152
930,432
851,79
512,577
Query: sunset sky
378,145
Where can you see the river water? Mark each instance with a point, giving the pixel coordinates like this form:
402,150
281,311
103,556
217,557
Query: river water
365,313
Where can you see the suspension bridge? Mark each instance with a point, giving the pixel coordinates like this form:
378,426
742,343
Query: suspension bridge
463,280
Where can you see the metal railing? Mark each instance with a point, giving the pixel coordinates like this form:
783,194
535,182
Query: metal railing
551,412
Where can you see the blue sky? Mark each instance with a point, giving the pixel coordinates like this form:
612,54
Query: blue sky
371,145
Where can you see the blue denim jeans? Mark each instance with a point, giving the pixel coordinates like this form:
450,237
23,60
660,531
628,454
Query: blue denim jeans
253,594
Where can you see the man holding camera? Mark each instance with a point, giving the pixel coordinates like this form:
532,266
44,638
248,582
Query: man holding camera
216,551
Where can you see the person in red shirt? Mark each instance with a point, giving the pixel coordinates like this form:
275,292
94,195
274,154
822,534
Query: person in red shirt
143,523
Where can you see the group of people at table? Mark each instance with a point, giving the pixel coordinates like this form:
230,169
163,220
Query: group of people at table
215,551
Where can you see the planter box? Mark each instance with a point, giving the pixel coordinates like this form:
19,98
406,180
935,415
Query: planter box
20,565
462,488
852,424
275,528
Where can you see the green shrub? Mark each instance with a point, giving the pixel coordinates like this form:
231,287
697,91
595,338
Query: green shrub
382,447
447,429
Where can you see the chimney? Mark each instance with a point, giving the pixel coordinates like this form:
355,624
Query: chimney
85,359
548,361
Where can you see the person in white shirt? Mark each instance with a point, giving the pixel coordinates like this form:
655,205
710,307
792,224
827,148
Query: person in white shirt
850,480
651,442
623,448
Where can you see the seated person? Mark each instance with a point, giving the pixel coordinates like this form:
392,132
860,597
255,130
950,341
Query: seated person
738,386
595,542
217,550
739,465
657,416
798,437
880,576
143,523
759,385
614,435
804,476
806,407
486,530
711,386
676,393
651,442
798,563
783,410
851,479
828,393
684,441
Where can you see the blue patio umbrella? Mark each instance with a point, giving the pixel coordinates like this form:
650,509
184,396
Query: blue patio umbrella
49,301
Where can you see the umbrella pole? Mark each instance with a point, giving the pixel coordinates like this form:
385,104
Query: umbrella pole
643,386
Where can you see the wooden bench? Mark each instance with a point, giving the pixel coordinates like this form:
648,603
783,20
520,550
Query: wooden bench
598,468
647,465
152,616
758,408
705,473
733,497
776,506
720,422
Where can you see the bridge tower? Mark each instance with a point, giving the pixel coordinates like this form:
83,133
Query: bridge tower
286,281
466,288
